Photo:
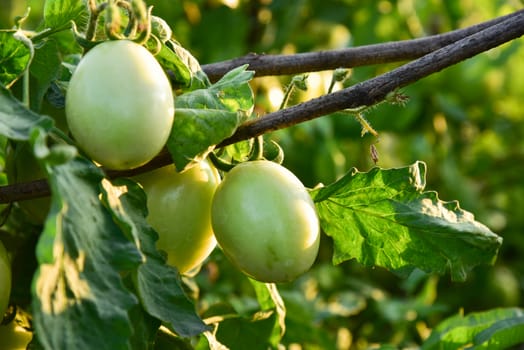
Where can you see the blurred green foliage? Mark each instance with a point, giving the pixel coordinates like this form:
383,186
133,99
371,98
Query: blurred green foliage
466,123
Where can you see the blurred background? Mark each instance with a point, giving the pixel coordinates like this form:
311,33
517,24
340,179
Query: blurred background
465,122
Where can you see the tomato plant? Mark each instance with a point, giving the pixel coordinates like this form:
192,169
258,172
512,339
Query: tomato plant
5,279
179,206
265,221
118,89
362,254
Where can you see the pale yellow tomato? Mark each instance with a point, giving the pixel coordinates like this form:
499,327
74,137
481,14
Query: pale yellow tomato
179,206
266,222
5,280
14,337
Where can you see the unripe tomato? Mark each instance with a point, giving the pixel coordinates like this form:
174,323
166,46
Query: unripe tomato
14,337
119,105
265,221
5,280
179,206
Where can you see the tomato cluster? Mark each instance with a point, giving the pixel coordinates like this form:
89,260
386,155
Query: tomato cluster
120,112
261,215
266,222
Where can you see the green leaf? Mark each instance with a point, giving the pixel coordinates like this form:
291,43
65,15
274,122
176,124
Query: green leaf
199,79
303,321
59,13
16,121
44,69
185,71
269,299
145,328
205,117
79,299
231,93
240,151
158,284
195,132
494,329
384,218
54,155
233,90
16,52
247,333
502,334
180,73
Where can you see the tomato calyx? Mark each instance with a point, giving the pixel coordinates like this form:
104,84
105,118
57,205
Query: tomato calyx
137,27
260,150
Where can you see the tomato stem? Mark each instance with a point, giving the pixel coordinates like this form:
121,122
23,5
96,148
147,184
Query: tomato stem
299,82
276,157
339,75
219,163
113,21
257,151
94,13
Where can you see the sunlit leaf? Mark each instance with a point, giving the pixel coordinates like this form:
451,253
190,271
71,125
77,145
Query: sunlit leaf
195,132
79,300
179,72
205,117
239,151
231,93
158,285
59,13
493,329
384,218
16,52
185,71
199,79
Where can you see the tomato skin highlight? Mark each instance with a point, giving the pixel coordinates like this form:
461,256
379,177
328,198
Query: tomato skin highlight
179,206
5,280
14,337
120,105
266,222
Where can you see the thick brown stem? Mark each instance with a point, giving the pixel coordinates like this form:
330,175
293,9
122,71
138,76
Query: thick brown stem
366,55
376,89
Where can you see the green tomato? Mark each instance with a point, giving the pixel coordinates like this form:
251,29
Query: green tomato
265,221
179,206
119,105
14,337
5,280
